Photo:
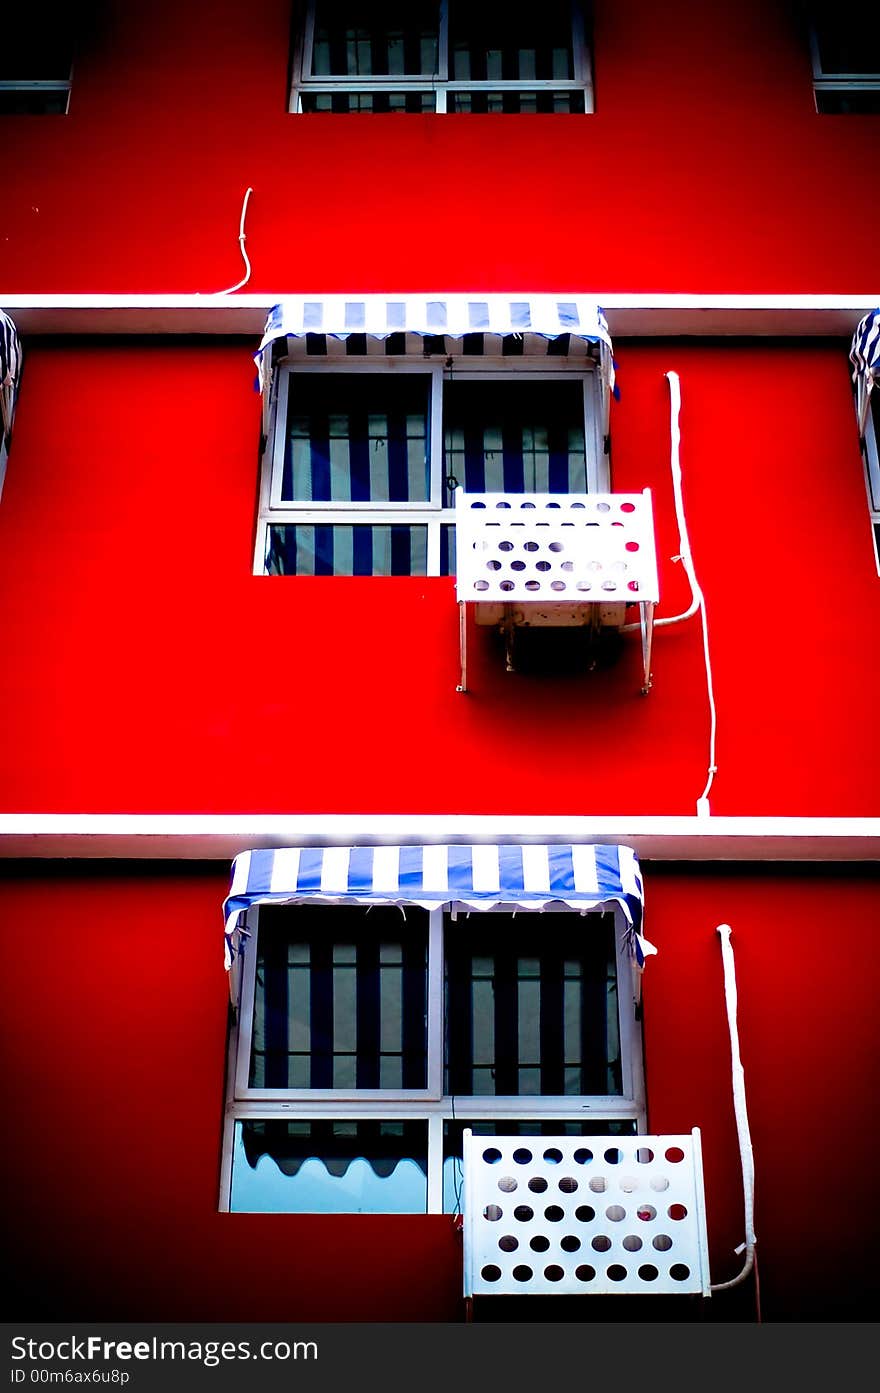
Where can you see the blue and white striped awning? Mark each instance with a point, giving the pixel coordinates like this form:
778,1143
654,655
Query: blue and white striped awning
10,374
10,352
503,877
864,355
441,316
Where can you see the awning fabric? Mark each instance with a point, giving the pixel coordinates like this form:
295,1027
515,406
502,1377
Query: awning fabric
452,316
520,877
864,355
10,352
10,372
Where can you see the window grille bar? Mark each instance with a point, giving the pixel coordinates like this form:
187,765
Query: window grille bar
321,1012
507,1058
552,1022
594,1012
275,1009
368,1014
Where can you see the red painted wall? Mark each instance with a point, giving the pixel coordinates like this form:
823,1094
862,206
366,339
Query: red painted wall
147,670
113,1034
704,168
135,636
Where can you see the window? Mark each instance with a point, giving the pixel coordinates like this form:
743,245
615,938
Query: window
440,55
364,453
368,1038
864,356
35,66
845,46
10,378
871,456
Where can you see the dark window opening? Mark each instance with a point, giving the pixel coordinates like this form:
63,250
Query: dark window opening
847,37
357,437
532,1013
340,999
517,436
36,60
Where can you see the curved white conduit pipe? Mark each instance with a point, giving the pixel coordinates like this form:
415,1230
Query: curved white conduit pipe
686,558
742,1122
241,241
684,544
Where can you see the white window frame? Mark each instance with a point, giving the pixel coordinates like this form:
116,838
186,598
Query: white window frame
439,83
838,82
274,511
428,1105
58,85
434,1087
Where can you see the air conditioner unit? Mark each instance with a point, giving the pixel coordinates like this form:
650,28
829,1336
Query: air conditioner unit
542,560
584,1215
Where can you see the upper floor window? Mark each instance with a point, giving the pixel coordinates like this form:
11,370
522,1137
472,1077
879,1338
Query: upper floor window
10,377
871,456
36,59
365,455
864,356
845,44
441,56
377,410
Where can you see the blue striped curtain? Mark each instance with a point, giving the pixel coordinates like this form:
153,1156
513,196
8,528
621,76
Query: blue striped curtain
357,438
496,41
534,1006
514,437
340,549
516,101
396,38
340,999
378,102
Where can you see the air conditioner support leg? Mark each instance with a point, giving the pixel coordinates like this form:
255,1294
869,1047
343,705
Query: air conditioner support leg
508,628
462,647
646,619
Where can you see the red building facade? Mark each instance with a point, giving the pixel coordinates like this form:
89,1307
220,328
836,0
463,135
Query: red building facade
167,704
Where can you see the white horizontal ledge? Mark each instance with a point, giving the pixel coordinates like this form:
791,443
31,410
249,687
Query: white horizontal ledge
641,314
222,836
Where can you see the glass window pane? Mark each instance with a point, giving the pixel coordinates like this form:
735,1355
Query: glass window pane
334,549
357,437
496,40
33,102
516,102
34,49
337,1016
846,102
447,551
376,102
396,37
848,37
531,1006
519,436
329,1167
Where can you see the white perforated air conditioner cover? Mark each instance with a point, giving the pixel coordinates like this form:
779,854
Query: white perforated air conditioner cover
545,548
581,1215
